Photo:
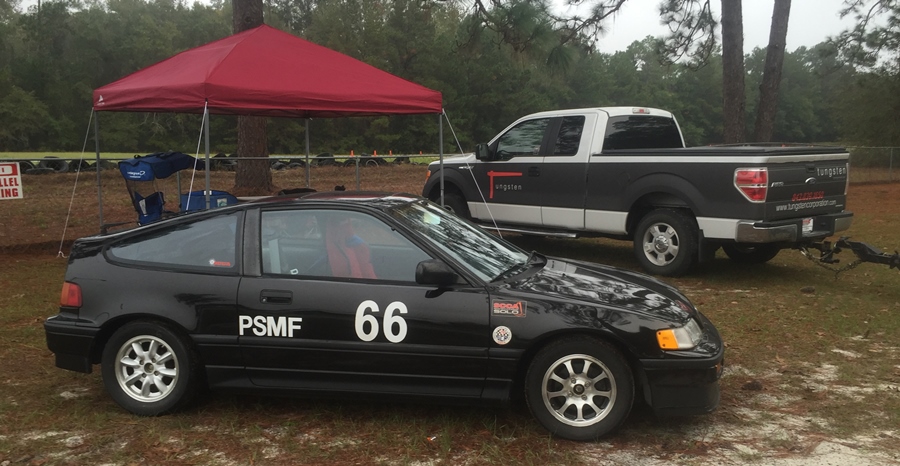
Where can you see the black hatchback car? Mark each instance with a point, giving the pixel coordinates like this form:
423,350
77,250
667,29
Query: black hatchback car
388,295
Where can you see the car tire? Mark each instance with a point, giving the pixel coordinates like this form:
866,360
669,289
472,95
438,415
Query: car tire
455,204
579,388
163,379
748,253
665,242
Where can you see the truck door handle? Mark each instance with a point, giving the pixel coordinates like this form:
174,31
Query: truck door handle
275,297
534,171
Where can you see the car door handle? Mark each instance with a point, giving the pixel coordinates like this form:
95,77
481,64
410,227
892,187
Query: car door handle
534,171
275,297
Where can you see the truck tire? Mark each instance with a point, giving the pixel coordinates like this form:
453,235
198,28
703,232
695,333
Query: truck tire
456,204
748,253
665,242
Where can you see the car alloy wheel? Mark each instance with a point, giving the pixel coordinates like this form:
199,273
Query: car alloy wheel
150,369
146,368
579,390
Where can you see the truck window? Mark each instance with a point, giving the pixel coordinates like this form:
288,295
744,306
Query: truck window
524,139
569,136
641,132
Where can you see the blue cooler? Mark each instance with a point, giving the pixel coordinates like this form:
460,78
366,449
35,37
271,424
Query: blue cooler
197,200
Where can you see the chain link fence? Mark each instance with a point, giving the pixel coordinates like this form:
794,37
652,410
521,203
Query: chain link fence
874,164
867,164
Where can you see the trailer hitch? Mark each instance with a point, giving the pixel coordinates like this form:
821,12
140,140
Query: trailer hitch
864,253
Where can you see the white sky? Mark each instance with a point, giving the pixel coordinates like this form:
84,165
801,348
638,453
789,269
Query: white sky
811,22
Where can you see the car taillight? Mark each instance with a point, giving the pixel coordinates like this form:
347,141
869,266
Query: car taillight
753,183
70,296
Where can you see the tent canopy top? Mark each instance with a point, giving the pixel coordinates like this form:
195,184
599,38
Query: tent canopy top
266,72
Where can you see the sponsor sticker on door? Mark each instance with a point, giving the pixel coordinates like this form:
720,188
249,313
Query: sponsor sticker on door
10,181
508,308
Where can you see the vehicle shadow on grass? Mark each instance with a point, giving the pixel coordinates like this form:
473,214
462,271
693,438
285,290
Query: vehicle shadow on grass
365,417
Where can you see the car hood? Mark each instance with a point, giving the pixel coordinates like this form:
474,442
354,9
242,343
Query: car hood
605,286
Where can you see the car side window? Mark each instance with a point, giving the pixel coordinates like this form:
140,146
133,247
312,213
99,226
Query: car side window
523,140
569,138
336,244
209,244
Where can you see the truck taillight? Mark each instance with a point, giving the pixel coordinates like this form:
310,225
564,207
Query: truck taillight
753,183
71,295
847,184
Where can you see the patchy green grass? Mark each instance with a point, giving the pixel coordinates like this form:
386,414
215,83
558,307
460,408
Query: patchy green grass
810,359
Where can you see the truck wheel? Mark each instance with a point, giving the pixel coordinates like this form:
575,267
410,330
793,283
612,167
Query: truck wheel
665,243
746,253
579,388
455,203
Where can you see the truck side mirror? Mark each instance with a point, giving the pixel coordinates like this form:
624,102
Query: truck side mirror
483,152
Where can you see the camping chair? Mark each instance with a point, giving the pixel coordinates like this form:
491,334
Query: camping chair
150,208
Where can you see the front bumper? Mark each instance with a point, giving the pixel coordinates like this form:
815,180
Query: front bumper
72,345
685,384
791,231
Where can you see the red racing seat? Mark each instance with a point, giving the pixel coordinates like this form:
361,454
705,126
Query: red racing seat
348,254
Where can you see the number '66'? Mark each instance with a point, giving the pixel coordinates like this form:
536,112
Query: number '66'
389,322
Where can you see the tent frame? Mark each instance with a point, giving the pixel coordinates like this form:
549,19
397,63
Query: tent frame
208,190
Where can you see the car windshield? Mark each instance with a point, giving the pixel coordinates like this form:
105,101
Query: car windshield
484,254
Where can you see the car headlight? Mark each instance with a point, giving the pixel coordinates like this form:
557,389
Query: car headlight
680,338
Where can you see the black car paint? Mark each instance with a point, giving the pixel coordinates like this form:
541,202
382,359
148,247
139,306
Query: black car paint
448,352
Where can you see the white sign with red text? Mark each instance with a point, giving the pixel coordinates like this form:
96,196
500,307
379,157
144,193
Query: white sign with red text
10,181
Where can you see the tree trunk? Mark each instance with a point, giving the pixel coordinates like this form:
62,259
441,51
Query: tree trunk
733,98
771,79
251,177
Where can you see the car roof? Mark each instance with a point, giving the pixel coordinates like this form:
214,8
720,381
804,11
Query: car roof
376,199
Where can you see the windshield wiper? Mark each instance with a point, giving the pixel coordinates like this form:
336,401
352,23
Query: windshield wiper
533,259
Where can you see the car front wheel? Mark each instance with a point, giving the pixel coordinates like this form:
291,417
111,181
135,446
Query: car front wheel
149,370
579,388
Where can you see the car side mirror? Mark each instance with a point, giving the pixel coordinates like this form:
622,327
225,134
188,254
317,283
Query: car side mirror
483,152
435,272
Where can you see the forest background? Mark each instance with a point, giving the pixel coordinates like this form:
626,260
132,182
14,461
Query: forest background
53,54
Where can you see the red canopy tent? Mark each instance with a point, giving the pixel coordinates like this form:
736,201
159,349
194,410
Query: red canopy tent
265,72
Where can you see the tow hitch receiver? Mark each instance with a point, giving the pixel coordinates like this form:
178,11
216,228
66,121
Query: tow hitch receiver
864,253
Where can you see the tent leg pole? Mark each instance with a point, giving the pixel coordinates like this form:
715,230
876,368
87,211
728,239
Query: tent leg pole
307,152
441,152
206,143
97,166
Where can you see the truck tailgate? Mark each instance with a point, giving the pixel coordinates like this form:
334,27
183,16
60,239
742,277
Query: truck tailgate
799,189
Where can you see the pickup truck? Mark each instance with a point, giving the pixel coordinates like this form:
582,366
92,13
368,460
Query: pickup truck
624,173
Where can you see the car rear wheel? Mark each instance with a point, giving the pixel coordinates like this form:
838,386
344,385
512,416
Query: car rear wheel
148,369
744,253
579,388
665,242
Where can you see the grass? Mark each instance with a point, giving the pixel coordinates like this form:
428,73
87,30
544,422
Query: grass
809,358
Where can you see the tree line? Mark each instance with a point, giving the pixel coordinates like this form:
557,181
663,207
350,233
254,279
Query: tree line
53,54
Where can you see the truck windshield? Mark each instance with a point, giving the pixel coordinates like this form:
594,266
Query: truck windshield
641,132
484,254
